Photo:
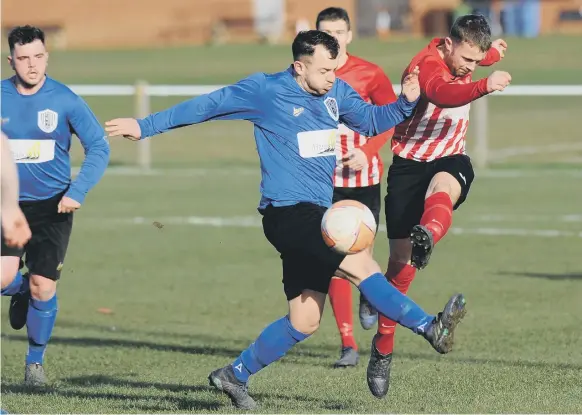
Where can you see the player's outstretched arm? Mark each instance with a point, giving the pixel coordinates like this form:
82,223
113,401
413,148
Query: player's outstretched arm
15,228
372,120
495,53
241,101
94,141
443,94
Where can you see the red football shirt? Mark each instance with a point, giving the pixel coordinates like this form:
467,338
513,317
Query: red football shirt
374,87
439,123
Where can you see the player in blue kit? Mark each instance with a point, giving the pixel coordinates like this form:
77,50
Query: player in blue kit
39,115
296,114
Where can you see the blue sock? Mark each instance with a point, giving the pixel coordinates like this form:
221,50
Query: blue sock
271,345
391,303
14,286
40,321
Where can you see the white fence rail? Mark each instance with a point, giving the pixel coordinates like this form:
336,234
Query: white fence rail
143,93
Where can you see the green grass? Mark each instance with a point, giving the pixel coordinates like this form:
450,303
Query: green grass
187,299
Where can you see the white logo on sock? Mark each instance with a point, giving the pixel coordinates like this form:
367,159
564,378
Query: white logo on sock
239,367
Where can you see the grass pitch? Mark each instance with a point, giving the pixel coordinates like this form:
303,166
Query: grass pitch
146,312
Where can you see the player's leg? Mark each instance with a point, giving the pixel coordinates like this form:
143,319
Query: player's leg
45,257
447,190
404,201
15,285
290,230
340,298
271,345
364,272
12,279
371,197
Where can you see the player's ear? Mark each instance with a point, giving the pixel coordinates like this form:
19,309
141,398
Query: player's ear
298,67
448,44
10,61
350,37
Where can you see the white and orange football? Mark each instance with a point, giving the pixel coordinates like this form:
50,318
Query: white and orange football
348,227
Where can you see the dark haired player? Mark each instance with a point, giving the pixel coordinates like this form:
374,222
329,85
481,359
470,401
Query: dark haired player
39,115
296,113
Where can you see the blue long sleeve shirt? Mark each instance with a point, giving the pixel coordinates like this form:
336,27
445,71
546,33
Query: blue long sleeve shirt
40,127
295,132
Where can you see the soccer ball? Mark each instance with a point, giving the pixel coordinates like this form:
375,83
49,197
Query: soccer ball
348,227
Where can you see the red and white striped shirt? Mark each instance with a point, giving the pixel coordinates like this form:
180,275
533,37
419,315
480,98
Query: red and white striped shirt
439,124
374,87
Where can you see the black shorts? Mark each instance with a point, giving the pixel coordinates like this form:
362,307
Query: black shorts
295,231
46,250
370,196
408,182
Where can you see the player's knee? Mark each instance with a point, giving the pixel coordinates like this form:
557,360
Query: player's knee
306,325
400,250
305,311
42,288
444,182
305,321
9,269
358,267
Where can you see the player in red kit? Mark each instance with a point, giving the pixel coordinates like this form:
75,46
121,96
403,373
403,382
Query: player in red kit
359,170
431,174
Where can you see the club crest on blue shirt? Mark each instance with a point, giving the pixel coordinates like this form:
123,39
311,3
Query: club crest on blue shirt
331,105
48,120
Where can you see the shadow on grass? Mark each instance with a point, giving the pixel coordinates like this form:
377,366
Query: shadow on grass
158,403
215,350
87,387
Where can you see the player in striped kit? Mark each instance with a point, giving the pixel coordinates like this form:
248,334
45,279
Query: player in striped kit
359,169
430,173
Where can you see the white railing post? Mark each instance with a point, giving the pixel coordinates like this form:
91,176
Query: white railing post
478,144
480,132
142,109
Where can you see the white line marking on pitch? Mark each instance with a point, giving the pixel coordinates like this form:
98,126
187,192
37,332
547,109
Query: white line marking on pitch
255,171
569,218
255,222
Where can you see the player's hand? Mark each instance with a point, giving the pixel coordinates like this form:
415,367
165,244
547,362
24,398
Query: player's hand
15,228
68,205
410,85
501,46
497,81
127,127
355,159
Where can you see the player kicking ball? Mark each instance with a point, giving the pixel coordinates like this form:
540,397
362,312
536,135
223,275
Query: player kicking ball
296,113
359,170
39,116
431,174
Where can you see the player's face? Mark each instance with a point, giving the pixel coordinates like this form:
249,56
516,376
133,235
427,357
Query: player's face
29,62
462,58
338,29
317,72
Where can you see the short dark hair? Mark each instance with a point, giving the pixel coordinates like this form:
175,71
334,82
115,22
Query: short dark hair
306,41
333,14
23,35
473,29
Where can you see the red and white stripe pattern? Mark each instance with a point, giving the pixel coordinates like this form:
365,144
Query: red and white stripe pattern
432,132
345,177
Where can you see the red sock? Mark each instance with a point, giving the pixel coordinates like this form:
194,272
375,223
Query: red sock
438,215
400,275
340,297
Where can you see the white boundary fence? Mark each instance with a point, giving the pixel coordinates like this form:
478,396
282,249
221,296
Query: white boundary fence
143,93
